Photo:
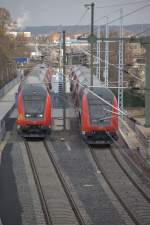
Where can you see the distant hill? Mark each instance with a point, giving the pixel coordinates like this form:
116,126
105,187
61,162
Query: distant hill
41,30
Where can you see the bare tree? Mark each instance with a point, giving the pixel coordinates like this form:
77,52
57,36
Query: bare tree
7,47
5,19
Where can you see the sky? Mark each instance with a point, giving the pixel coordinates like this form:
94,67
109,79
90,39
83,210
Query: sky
72,12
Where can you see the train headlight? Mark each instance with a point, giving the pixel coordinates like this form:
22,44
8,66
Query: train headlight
40,115
27,115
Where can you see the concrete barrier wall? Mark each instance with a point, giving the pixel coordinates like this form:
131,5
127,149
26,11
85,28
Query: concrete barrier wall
8,86
136,128
2,129
3,91
3,122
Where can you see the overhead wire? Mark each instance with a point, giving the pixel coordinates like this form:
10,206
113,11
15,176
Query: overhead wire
138,34
130,13
110,64
112,12
82,17
102,99
121,4
124,113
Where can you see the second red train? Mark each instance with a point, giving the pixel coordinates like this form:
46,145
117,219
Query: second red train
98,115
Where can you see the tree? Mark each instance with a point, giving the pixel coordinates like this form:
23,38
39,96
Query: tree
7,49
5,20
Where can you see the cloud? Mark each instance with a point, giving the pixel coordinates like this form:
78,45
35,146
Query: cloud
22,21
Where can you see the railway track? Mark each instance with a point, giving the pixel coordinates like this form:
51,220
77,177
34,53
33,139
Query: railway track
58,205
133,196
38,185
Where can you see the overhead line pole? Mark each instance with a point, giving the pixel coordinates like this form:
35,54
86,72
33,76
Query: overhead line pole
64,76
120,71
64,53
106,72
99,49
98,54
92,44
60,52
92,39
145,41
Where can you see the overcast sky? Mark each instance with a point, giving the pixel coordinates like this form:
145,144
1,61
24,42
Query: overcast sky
69,12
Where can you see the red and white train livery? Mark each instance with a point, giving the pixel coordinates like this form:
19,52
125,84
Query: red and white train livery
34,107
98,116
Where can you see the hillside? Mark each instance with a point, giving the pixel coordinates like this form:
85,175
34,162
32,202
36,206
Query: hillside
41,30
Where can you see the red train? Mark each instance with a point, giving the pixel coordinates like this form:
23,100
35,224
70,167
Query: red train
98,116
34,107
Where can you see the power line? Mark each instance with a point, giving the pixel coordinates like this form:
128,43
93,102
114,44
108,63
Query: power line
119,10
82,17
121,112
118,5
133,75
99,97
142,32
110,64
130,13
111,13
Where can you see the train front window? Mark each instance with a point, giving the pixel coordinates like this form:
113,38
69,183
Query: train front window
100,112
34,105
34,97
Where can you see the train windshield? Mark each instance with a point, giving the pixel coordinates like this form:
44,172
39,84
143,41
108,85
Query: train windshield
100,112
34,104
34,101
